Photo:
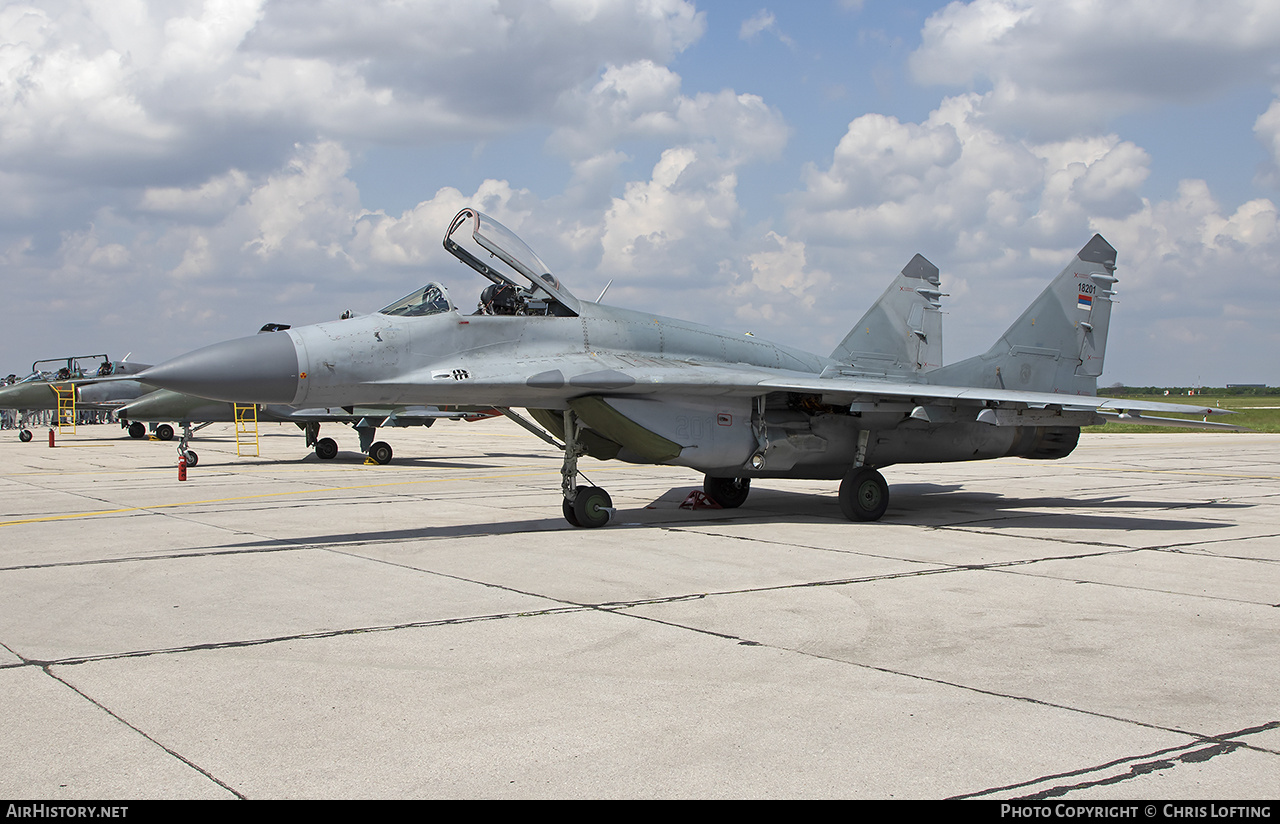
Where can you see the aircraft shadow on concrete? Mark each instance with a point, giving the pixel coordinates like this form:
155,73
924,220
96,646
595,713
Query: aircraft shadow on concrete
924,504
431,463
954,504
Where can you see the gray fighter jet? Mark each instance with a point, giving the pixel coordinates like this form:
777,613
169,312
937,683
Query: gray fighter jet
617,384
97,382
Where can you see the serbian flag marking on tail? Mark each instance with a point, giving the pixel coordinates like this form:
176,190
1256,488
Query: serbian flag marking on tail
1084,302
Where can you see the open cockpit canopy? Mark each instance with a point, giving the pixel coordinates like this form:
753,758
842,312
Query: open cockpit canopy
536,289
74,367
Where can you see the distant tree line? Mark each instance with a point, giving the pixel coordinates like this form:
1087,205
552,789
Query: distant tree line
1221,392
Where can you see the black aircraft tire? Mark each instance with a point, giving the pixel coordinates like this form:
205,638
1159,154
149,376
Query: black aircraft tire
381,452
864,495
730,493
137,430
326,448
591,507
567,509
192,457
25,436
164,432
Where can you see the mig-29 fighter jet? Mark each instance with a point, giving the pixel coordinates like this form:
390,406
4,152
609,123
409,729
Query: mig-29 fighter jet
617,384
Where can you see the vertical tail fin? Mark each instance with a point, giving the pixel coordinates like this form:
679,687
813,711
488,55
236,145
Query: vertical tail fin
902,332
1058,343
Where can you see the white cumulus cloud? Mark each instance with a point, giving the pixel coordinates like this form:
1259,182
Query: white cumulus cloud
1059,67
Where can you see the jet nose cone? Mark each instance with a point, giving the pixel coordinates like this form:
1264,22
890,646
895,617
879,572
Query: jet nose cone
258,369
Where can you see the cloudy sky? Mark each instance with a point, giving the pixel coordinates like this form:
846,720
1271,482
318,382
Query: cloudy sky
178,173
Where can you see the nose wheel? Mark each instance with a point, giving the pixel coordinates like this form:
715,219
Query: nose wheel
189,455
591,507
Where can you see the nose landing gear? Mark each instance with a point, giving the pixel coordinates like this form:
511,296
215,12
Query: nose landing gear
584,506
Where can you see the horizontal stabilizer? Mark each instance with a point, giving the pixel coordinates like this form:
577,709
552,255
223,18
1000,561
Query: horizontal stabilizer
1179,423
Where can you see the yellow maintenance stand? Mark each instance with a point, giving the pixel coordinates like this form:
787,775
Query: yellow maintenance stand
246,428
66,408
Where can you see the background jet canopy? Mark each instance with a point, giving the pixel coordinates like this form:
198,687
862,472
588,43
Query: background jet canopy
429,300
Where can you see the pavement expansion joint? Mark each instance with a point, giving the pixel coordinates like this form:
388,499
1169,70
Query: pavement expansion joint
1122,770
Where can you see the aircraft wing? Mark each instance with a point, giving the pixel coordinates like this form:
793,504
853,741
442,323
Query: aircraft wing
864,389
598,374
993,405
1002,407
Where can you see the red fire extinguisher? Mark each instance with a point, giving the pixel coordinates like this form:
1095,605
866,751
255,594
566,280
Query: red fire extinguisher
182,466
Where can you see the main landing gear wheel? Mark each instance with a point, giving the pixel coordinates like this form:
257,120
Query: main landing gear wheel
137,430
864,495
25,436
326,448
381,452
730,493
590,507
164,432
